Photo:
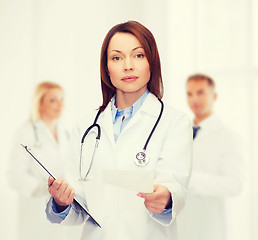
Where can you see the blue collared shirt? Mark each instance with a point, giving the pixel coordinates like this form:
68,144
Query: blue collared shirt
122,117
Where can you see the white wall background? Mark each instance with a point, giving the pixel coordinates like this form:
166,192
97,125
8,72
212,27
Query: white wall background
60,40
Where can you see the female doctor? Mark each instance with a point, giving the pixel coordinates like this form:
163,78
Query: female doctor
48,140
131,88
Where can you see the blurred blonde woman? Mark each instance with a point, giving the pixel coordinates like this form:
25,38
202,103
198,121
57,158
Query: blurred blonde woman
48,140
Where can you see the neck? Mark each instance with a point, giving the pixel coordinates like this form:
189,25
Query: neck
125,100
200,118
51,125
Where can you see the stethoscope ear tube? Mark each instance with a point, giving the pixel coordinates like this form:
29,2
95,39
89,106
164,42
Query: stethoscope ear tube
92,126
89,128
156,124
96,145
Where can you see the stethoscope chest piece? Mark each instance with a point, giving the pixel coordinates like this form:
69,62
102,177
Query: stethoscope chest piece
141,159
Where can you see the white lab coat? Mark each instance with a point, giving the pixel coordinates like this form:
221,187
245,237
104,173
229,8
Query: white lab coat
217,174
120,212
30,180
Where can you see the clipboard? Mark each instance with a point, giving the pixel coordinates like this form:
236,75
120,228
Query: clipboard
76,198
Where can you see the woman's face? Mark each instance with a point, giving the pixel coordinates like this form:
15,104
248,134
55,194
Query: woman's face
127,64
52,104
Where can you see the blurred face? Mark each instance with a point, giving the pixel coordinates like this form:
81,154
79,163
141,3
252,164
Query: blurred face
52,104
200,97
128,66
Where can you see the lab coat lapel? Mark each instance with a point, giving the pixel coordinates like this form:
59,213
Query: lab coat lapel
40,124
106,124
208,127
151,106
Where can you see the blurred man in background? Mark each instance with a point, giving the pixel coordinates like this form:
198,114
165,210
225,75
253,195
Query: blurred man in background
217,166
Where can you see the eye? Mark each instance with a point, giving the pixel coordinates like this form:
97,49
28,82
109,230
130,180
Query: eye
200,92
52,100
139,55
116,58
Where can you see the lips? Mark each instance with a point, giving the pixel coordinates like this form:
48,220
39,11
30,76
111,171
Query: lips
129,78
195,106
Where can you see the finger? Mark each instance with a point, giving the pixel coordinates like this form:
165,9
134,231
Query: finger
155,187
159,198
66,198
160,204
54,188
64,195
63,189
71,196
155,210
57,184
162,193
155,205
159,189
148,196
50,181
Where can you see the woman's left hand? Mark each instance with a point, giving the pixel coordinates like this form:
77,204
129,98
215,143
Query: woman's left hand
158,200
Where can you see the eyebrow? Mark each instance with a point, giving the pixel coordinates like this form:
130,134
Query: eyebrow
121,51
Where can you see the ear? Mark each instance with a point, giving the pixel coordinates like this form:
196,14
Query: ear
215,95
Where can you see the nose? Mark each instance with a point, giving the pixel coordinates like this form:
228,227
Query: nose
194,100
128,65
60,103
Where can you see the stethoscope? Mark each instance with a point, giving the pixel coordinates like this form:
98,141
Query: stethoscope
37,143
141,159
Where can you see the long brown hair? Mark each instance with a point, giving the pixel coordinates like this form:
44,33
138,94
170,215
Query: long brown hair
149,45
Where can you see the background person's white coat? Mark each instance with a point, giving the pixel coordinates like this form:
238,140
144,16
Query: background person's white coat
217,174
29,179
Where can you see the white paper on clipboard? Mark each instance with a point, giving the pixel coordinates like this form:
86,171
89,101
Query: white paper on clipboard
137,181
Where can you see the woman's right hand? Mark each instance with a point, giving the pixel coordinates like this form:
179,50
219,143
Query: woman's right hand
62,193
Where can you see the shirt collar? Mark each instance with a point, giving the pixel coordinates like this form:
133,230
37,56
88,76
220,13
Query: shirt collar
210,123
130,110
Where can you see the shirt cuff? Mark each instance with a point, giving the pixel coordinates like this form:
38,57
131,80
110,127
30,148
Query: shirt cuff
63,214
166,211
